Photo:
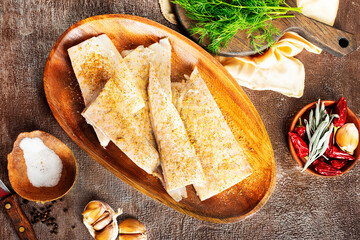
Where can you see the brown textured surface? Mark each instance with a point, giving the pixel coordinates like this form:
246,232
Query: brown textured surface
302,205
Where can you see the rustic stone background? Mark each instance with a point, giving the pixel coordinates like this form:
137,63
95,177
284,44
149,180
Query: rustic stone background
302,206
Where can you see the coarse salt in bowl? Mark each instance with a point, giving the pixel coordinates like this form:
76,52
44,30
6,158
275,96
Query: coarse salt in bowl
41,167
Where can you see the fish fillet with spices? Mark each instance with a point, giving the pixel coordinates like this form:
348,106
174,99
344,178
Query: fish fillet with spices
221,157
113,111
94,62
180,165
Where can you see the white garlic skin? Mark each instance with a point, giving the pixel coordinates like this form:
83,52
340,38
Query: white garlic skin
347,138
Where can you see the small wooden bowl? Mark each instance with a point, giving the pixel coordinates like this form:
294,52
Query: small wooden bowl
18,170
351,118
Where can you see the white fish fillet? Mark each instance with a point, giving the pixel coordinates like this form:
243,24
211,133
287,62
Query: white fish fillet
162,63
137,60
177,93
94,62
138,63
221,157
179,163
111,112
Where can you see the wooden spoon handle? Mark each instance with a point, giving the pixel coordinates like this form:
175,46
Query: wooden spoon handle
332,40
22,225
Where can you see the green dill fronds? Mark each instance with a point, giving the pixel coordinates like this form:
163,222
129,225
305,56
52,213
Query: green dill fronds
220,20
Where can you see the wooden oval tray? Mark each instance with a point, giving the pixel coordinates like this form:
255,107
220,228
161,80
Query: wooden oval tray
127,32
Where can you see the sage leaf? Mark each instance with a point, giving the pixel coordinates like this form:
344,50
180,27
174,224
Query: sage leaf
318,132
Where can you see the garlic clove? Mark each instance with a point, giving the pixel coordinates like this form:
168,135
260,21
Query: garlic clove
131,226
132,237
104,225
93,211
104,220
110,232
347,138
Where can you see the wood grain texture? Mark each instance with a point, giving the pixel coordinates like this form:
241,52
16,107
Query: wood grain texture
18,218
128,32
330,39
302,206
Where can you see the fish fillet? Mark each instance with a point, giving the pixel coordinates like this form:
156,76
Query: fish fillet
113,111
177,93
222,159
162,63
137,61
179,163
94,62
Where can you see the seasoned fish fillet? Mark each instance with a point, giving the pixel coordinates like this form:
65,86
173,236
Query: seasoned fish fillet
222,159
137,61
94,62
179,163
112,112
162,63
177,93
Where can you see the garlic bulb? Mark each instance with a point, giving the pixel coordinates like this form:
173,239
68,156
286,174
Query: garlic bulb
100,220
347,138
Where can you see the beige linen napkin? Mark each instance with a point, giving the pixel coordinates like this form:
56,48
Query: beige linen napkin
277,69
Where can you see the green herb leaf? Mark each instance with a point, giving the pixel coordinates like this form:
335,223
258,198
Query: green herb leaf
220,20
318,132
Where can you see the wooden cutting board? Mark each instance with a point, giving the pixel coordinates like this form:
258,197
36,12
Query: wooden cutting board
127,32
330,39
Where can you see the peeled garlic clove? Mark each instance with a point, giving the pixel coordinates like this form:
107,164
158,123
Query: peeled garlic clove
93,211
110,232
132,237
347,138
131,226
103,221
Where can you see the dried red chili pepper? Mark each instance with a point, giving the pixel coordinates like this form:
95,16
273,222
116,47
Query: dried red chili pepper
300,146
338,154
326,169
300,129
330,144
338,164
341,110
320,159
